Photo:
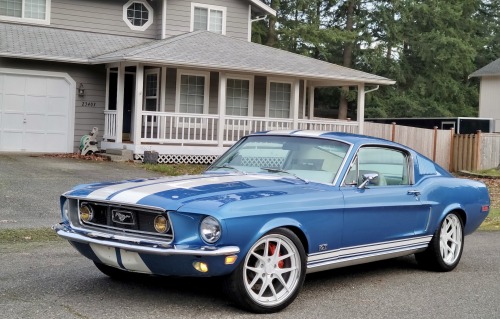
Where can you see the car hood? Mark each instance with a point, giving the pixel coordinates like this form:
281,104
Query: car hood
205,192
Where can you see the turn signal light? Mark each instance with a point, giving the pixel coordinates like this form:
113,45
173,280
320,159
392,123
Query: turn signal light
86,213
200,266
485,208
161,224
231,259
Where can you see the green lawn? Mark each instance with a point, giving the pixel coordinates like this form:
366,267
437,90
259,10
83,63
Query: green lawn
492,222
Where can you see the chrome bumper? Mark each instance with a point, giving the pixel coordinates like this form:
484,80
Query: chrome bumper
140,245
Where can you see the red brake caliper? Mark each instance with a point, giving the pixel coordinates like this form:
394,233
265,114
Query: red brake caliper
272,249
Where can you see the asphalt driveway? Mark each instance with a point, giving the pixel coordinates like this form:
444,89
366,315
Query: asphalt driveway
30,185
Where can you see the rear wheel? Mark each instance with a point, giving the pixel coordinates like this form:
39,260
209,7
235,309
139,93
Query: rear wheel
445,249
271,275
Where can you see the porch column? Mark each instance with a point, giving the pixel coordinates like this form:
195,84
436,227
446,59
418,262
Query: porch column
361,108
295,105
222,108
120,90
311,102
137,114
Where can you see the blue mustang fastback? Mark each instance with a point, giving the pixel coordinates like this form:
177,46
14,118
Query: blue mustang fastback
274,207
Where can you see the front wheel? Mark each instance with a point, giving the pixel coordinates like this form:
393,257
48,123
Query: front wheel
445,248
271,275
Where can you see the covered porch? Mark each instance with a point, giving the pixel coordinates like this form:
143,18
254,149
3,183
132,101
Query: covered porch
192,107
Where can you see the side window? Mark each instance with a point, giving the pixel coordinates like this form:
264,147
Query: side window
391,166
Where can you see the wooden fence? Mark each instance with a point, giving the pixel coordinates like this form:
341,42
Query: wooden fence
455,152
433,143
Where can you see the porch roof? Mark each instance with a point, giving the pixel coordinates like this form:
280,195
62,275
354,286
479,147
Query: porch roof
207,50
491,69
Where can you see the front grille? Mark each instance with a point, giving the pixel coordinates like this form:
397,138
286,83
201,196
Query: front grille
123,219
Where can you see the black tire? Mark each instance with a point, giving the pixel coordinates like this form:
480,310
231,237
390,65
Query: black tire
269,284
112,272
446,247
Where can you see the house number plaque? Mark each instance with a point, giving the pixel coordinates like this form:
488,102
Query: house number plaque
89,104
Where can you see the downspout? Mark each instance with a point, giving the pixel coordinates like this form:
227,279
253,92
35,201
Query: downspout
361,106
164,20
374,89
251,21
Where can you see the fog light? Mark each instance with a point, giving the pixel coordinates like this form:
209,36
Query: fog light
161,224
86,212
231,259
200,266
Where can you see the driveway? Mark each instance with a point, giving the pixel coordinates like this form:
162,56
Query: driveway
30,185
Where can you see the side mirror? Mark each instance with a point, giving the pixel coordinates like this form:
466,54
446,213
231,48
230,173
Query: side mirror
367,179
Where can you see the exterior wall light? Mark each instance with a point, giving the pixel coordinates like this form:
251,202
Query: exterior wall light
81,90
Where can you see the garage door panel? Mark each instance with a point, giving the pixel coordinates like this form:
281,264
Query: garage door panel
36,86
53,142
12,122
14,84
56,123
13,103
57,105
12,140
34,111
36,104
35,141
57,88
35,123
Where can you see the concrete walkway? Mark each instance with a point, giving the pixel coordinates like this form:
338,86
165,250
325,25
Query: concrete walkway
30,185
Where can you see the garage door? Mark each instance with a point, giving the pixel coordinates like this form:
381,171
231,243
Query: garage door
35,112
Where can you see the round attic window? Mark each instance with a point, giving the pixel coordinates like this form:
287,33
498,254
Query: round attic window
138,15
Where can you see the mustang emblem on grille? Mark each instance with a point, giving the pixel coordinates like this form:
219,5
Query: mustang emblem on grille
123,217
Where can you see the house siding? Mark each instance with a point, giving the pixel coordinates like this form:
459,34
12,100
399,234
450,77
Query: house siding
93,79
489,99
179,17
100,17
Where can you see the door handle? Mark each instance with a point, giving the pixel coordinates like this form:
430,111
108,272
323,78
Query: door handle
414,192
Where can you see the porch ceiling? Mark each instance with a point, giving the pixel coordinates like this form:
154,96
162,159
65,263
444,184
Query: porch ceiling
207,50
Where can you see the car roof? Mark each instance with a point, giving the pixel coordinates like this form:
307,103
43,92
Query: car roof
346,137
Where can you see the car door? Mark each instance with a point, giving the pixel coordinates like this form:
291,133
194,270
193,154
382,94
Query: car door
385,209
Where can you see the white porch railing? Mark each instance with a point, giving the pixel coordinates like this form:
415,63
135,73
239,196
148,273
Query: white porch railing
109,125
196,129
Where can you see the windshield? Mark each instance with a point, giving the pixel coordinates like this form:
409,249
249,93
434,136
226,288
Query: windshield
309,159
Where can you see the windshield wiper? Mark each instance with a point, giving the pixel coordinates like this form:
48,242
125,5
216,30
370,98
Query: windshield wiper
279,170
230,167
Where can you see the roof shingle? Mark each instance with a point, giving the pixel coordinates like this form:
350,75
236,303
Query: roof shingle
491,69
201,49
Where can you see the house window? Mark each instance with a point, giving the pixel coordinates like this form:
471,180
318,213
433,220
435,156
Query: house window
151,89
206,17
192,92
138,15
35,11
279,99
238,96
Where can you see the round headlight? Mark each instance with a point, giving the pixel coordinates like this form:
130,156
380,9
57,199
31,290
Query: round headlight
86,212
65,209
161,224
210,230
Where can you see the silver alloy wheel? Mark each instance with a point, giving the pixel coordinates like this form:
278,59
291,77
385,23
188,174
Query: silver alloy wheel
450,239
272,270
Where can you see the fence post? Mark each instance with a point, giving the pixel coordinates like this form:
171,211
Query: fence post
393,137
478,150
452,145
434,145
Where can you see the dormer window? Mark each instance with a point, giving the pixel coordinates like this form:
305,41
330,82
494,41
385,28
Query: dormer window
138,15
32,11
208,17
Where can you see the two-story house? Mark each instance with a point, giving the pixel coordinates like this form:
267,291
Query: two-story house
178,77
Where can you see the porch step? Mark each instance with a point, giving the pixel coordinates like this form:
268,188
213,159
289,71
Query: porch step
118,155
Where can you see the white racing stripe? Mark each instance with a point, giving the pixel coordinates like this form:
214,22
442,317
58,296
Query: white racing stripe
368,248
134,195
105,192
106,254
132,261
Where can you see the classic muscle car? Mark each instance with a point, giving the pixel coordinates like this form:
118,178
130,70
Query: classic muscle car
274,207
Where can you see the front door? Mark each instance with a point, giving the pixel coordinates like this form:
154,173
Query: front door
128,102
